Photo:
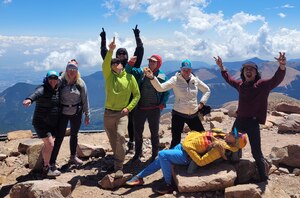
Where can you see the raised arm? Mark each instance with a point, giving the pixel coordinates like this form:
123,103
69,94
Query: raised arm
281,60
139,50
103,49
107,60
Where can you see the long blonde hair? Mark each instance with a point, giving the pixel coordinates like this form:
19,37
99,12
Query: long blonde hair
220,145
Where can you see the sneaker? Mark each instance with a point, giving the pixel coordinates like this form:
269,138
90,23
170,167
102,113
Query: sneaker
53,172
165,189
135,181
119,174
75,160
130,146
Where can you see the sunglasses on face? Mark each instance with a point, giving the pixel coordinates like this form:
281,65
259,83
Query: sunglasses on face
53,78
121,53
152,61
72,69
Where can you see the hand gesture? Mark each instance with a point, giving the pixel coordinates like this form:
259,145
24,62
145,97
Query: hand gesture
136,31
148,73
219,62
281,59
133,59
26,103
112,45
103,34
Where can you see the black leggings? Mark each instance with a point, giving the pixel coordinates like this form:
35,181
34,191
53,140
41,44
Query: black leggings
75,123
251,127
177,127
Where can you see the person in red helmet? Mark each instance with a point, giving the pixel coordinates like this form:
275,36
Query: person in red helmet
150,105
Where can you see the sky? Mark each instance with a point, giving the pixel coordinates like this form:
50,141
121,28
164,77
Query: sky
38,35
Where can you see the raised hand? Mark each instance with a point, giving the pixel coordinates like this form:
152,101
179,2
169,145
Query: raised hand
136,31
281,59
103,34
219,61
112,45
148,73
133,59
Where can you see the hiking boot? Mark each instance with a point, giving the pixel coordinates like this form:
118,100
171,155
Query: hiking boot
75,160
165,189
130,146
136,159
119,174
53,172
135,181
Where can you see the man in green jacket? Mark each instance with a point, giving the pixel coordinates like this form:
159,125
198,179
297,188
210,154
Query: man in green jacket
119,85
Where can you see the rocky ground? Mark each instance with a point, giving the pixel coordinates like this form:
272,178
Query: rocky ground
84,179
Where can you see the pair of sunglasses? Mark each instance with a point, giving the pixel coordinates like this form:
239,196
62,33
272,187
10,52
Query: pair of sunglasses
53,78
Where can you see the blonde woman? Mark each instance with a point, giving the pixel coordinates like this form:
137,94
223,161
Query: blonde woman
202,148
74,102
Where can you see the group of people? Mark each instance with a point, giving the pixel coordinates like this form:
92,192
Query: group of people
59,100
134,95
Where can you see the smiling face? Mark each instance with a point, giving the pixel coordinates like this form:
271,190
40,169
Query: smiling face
152,64
186,73
72,71
53,80
249,73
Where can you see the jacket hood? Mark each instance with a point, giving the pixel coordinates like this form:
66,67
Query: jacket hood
159,61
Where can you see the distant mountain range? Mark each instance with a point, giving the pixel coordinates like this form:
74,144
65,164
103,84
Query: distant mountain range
13,116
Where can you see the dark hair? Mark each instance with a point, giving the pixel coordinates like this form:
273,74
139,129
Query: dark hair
257,76
115,60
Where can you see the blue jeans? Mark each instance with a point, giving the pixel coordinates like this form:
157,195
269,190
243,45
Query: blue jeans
164,161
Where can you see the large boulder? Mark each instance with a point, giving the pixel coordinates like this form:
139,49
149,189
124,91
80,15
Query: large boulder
21,134
86,150
41,188
290,125
24,145
35,158
288,155
210,178
288,108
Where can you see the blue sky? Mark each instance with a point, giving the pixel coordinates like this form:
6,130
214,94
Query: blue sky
39,35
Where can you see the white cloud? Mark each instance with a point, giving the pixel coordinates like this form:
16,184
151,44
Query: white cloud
281,15
287,6
6,1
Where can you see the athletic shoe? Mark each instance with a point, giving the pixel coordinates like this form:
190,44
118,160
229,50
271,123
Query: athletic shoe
135,181
119,174
75,160
53,172
165,189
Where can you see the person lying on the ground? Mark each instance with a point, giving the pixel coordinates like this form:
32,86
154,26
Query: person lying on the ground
201,148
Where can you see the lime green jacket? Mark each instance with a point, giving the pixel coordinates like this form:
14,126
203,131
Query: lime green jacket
118,87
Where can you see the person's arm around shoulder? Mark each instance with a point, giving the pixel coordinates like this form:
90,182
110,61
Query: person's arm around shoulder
106,67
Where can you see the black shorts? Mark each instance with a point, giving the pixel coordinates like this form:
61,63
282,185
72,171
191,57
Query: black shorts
44,131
